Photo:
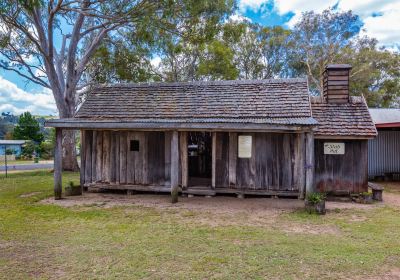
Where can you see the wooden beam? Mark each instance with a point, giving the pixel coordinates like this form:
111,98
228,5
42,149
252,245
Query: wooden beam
233,149
214,159
184,158
160,126
83,160
58,165
174,166
309,162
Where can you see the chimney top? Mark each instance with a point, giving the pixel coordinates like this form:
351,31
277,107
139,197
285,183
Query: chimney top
338,66
336,83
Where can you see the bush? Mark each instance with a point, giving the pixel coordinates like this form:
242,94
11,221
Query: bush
46,150
315,197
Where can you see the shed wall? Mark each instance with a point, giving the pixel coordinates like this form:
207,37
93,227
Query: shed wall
277,162
342,173
384,153
107,158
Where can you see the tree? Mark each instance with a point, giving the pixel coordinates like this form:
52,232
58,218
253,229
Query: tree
32,28
375,73
28,129
318,38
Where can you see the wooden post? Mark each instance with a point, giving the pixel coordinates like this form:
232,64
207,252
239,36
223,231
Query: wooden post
233,149
214,159
309,162
174,166
58,165
83,159
184,158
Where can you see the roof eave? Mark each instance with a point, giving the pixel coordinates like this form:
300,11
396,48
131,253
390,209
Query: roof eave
118,125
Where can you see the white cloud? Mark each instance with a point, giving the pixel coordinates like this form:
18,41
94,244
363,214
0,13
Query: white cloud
254,5
385,27
239,18
17,101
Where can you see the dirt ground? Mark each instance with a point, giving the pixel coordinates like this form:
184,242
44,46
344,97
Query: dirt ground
228,210
219,204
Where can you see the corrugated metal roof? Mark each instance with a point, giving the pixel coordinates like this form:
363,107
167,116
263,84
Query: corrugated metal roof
382,116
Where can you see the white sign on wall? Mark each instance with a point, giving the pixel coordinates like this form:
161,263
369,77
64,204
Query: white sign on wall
244,146
334,148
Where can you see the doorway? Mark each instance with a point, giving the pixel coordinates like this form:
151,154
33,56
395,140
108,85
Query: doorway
199,159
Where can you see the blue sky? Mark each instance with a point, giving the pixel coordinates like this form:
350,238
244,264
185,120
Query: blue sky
380,20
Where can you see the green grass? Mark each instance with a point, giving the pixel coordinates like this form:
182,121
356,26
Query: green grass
90,242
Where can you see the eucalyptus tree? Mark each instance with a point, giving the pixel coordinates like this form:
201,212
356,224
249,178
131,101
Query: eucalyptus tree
51,43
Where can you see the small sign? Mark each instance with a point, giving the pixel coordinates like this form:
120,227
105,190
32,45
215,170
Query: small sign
334,148
244,146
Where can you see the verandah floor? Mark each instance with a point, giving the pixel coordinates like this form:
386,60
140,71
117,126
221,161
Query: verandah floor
196,190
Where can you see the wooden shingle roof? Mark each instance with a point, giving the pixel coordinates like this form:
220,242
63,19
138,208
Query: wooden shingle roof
350,120
277,101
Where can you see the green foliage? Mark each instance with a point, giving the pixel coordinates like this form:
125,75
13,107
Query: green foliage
217,64
28,129
29,149
315,197
46,150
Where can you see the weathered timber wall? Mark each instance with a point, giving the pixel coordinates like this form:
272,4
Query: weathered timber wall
342,173
277,162
108,158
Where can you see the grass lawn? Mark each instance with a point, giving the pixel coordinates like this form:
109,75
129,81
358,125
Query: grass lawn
134,242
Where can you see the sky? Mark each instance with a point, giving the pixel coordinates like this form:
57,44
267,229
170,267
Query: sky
380,18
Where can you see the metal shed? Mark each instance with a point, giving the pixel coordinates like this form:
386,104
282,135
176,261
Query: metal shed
384,150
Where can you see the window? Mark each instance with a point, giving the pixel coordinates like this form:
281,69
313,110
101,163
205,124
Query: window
134,146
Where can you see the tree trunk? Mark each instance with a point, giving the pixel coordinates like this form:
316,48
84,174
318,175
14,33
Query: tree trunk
69,160
66,108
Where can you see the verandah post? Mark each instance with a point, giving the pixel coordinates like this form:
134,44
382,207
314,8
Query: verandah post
174,167
58,165
309,162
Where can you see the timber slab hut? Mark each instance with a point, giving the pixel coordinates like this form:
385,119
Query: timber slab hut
258,137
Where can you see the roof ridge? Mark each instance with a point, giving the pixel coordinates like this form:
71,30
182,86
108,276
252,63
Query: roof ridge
193,83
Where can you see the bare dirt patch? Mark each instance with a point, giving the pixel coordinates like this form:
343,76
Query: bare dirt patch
219,210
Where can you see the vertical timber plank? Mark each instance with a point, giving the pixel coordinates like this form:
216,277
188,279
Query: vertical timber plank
106,157
99,156
309,161
58,165
88,156
83,161
214,159
184,159
112,157
130,160
167,155
94,155
116,158
233,150
299,166
174,166
123,146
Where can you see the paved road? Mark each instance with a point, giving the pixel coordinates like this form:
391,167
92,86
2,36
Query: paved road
32,166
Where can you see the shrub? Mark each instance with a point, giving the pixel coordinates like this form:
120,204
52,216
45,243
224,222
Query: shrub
315,197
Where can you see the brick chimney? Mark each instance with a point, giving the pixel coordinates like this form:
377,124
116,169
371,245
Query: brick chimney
336,83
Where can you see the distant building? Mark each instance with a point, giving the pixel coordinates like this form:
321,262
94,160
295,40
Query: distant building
14,145
384,150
